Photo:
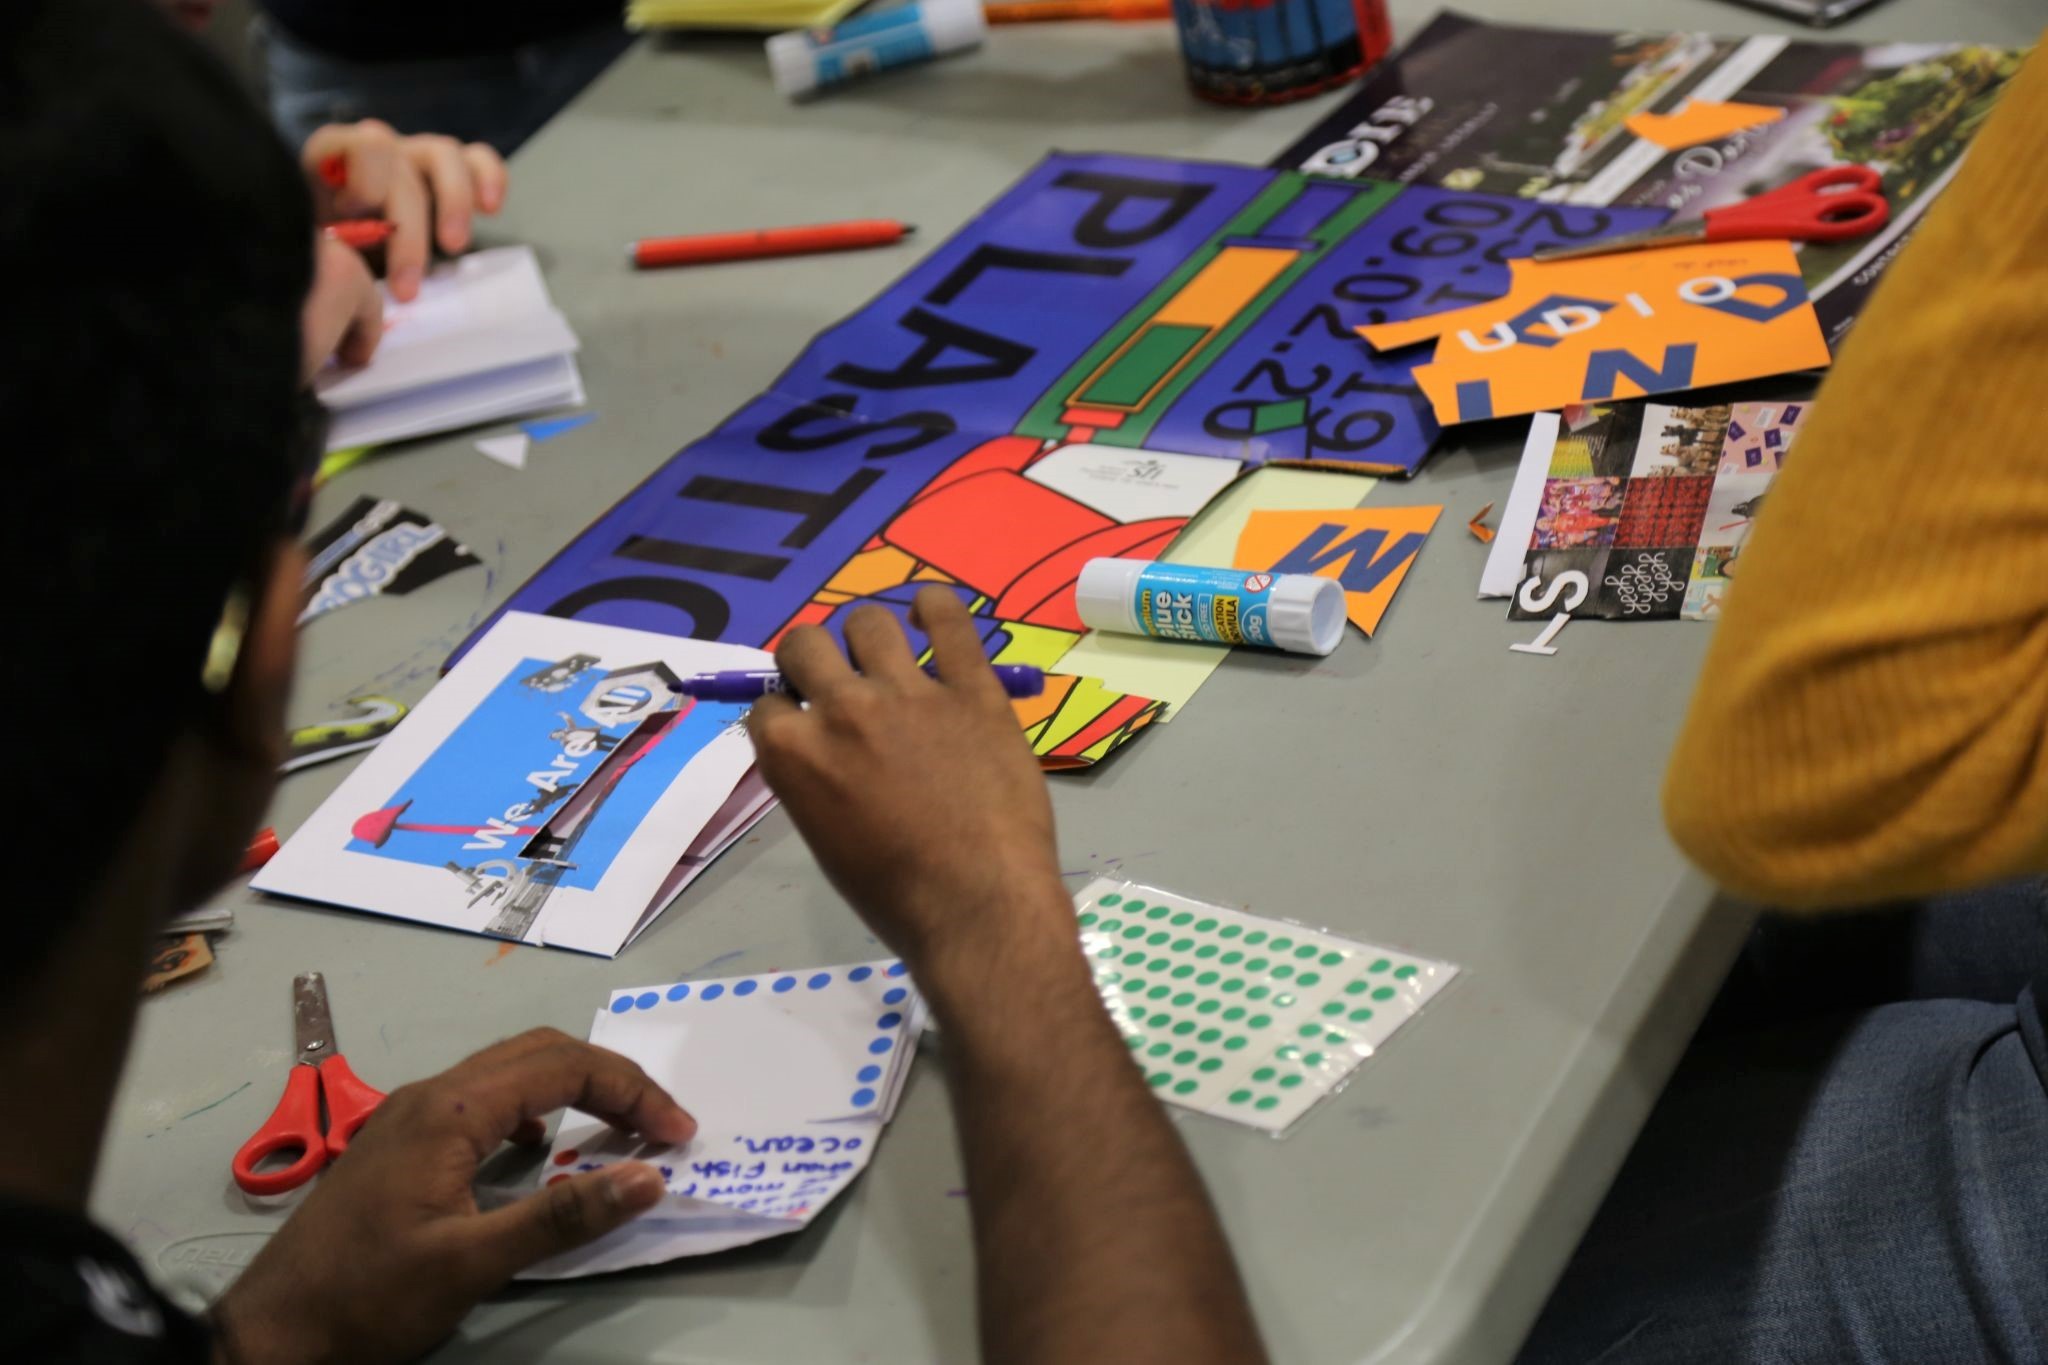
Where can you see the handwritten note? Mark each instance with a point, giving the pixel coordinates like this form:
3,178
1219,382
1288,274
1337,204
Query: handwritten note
792,1077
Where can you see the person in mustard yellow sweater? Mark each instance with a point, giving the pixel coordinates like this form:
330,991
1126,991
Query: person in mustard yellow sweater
1851,1164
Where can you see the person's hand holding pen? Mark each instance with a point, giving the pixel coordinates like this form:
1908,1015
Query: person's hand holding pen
429,188
920,798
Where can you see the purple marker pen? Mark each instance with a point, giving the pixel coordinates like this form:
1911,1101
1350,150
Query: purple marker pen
744,685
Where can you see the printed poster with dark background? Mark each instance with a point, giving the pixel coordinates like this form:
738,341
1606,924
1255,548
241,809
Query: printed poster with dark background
1539,112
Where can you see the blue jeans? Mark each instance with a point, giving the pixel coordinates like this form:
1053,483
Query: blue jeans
502,98
1849,1165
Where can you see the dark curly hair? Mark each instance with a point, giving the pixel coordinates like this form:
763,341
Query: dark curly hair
157,242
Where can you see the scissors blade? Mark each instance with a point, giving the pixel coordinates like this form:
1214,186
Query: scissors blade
312,1021
1627,241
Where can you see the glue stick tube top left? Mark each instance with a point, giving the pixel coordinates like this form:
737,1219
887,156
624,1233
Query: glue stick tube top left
1300,613
805,61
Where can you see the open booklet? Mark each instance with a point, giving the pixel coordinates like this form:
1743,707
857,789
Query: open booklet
551,790
481,342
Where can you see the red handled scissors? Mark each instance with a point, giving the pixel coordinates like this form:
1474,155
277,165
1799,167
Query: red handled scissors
318,1071
1831,204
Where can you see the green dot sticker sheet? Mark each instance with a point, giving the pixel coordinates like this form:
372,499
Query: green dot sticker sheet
1236,1015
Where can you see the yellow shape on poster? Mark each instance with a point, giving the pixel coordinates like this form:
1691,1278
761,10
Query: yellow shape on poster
1080,705
870,571
1617,326
1040,645
1700,121
1367,549
1168,670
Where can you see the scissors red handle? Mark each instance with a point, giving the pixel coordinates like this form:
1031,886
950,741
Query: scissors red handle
293,1125
1831,204
349,1102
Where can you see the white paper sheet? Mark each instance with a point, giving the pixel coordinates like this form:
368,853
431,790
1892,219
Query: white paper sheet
545,791
1503,572
508,450
791,1076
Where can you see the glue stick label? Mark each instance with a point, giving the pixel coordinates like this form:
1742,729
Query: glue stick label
861,47
1219,606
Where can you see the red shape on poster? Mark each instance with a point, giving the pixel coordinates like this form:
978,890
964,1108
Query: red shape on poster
999,453
1018,542
376,828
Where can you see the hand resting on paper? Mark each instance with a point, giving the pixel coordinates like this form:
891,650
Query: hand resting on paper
389,1252
1093,1237
428,187
343,315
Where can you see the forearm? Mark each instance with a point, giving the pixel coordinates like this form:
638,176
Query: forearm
1094,1237
1872,719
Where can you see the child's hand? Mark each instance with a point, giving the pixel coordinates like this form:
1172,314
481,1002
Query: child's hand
389,1252
919,796
414,183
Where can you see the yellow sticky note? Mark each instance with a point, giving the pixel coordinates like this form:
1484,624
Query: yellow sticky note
1700,121
737,14
1367,549
1617,326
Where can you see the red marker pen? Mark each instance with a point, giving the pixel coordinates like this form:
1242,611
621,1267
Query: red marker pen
787,241
261,849
360,233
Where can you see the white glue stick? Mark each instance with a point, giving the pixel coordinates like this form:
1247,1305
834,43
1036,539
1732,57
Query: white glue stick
805,61
1294,611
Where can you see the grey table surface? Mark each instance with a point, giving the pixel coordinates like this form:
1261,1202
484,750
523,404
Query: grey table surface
1428,789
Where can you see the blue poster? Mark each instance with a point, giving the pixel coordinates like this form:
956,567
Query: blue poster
1108,302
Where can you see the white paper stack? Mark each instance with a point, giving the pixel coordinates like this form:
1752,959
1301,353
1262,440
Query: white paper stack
791,1076
480,343
552,790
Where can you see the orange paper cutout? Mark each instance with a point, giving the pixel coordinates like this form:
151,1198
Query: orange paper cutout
1619,326
1700,121
1478,527
1367,549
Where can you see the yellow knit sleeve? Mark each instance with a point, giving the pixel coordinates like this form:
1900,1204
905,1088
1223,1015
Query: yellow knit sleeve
1872,719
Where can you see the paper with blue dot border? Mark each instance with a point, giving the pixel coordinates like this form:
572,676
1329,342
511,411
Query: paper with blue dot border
791,1075
1246,1018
